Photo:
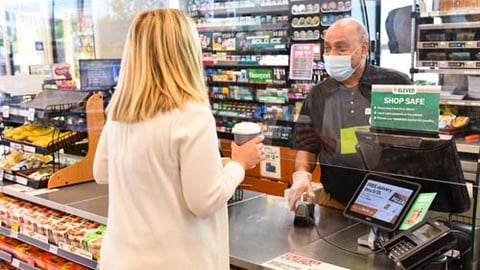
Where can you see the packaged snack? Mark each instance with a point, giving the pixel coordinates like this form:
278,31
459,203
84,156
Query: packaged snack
44,222
50,261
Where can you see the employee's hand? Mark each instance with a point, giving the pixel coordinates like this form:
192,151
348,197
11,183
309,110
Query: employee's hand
301,184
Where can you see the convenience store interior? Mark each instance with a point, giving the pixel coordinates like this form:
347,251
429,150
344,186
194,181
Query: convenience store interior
60,61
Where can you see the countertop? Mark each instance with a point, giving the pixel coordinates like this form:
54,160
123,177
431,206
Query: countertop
261,227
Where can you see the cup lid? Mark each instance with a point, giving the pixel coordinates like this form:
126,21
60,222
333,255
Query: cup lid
246,128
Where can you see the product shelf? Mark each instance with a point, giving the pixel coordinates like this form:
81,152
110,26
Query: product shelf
253,10
22,265
455,12
235,64
431,68
463,102
52,103
435,45
246,27
54,249
6,256
463,147
43,108
57,143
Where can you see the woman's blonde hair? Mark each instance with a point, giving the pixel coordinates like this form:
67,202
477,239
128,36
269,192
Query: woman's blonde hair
161,67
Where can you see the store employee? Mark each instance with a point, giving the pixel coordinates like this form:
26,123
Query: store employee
332,111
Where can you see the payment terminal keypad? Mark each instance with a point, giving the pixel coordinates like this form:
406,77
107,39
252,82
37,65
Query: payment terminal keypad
401,248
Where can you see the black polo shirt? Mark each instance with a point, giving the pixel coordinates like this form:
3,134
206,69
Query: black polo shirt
330,110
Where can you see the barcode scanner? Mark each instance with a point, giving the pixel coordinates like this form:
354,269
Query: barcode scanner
304,215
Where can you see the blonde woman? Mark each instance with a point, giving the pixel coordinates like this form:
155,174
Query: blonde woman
159,154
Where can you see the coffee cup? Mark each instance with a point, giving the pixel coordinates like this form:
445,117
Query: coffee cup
245,131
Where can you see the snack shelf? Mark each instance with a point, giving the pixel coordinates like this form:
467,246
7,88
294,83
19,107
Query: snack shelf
80,259
449,64
34,113
433,45
298,36
53,146
22,265
455,12
235,28
305,26
24,180
458,71
239,64
466,64
463,102
48,104
270,48
80,171
254,9
336,10
6,256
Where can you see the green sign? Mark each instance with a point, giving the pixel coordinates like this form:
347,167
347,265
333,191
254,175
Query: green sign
259,75
418,210
408,107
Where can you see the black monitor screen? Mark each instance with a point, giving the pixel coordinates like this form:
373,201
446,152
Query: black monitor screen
432,162
99,74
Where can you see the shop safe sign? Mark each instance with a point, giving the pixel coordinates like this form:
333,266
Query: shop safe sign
406,107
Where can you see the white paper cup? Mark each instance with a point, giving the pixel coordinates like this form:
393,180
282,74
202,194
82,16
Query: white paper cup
245,131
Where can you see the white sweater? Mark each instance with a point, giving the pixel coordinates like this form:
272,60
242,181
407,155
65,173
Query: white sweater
167,192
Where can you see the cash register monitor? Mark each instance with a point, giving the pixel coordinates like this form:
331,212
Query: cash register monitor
99,74
432,162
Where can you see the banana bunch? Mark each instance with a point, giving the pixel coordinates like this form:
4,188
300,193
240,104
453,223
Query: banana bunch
35,134
44,136
19,133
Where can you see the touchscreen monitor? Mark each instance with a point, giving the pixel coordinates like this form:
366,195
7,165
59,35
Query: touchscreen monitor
381,201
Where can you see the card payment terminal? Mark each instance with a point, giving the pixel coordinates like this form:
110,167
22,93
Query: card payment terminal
420,243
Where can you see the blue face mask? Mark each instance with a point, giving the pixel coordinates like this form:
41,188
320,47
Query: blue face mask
339,67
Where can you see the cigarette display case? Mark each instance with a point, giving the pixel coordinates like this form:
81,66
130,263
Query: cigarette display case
448,46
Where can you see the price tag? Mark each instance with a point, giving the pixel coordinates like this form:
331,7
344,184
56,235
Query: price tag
53,249
6,111
31,114
13,234
9,176
15,263
22,148
83,253
16,146
41,237
21,180
29,149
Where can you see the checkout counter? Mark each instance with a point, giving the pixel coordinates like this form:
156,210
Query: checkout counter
261,228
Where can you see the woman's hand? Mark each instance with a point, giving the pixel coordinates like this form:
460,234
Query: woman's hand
250,153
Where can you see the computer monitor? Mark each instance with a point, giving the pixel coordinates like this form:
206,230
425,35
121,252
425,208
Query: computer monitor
432,162
98,74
